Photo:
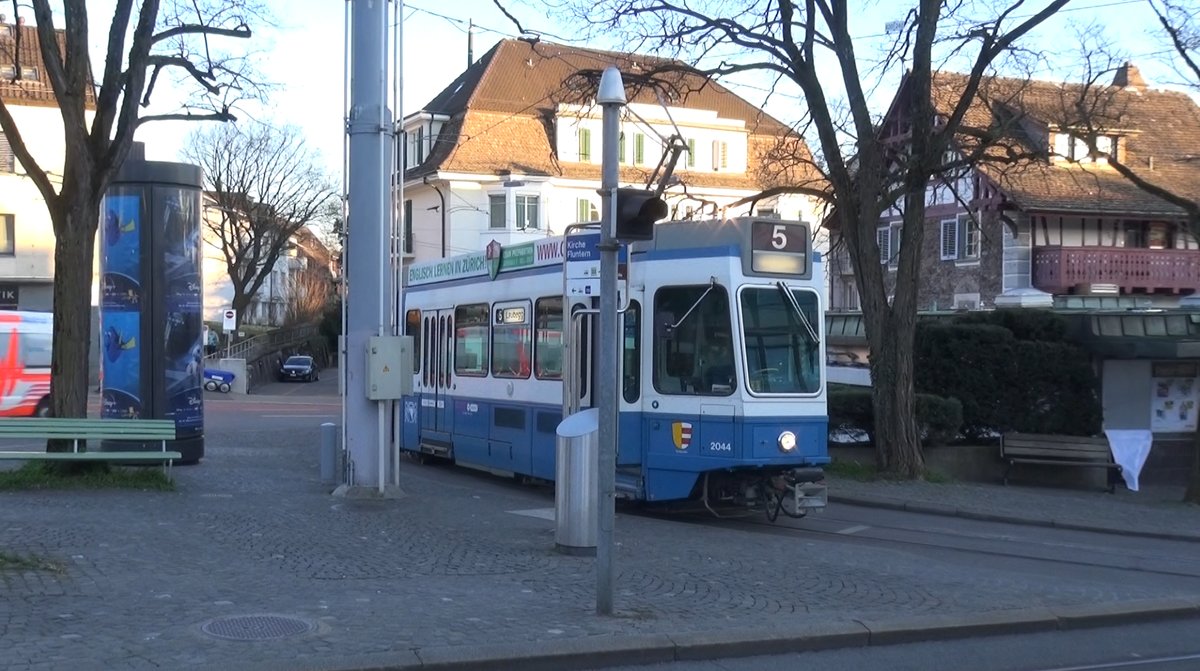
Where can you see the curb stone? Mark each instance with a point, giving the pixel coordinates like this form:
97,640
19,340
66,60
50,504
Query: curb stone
604,651
950,511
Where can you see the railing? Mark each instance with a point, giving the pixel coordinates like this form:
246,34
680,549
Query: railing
251,349
1057,270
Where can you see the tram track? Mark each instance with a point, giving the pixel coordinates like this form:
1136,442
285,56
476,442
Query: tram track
1091,555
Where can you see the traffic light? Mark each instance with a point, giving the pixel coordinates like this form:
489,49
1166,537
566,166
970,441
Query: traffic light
637,211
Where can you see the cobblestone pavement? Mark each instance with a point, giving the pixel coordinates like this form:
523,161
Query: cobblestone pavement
147,576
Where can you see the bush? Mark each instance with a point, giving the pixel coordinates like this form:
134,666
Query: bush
1023,323
1012,372
938,418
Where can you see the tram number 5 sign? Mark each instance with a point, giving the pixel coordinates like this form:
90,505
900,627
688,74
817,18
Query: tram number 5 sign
780,248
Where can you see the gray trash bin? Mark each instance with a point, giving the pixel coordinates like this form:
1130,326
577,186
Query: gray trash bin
576,490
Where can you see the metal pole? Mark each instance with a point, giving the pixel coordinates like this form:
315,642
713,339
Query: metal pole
612,98
328,452
367,308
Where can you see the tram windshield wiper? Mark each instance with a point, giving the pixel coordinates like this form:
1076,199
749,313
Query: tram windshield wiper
712,283
790,299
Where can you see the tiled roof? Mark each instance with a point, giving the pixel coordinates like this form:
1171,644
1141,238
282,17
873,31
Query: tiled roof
33,92
502,109
1159,139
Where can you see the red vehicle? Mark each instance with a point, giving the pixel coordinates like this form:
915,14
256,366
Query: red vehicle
25,339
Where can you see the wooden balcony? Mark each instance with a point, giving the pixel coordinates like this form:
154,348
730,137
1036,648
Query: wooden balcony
1059,270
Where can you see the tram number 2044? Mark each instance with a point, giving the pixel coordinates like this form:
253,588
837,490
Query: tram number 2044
716,446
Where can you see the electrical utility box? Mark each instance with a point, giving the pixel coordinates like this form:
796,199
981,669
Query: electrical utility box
389,367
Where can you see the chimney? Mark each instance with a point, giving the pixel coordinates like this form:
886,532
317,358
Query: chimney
1128,77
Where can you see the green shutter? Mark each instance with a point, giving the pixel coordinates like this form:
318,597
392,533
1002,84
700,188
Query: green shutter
691,158
639,149
585,144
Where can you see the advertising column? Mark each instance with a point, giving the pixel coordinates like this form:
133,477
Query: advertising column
151,302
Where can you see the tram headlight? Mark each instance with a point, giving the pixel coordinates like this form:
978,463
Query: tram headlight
787,441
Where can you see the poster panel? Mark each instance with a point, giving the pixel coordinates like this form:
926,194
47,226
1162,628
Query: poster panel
121,302
183,332
1175,397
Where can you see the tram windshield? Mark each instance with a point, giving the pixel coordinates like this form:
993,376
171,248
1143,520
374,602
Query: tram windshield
693,351
782,348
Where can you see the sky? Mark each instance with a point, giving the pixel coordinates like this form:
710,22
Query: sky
303,55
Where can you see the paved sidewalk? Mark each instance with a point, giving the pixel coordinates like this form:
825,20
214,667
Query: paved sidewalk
1154,511
461,573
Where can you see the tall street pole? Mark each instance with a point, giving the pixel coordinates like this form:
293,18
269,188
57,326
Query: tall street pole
612,98
369,236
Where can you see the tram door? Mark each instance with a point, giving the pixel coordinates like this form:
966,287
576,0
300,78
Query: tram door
579,368
435,378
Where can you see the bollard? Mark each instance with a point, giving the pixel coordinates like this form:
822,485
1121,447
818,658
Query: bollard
328,452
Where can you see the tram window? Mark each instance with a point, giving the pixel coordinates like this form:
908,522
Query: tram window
429,352
471,340
631,354
511,340
447,347
783,356
412,327
693,341
585,342
548,346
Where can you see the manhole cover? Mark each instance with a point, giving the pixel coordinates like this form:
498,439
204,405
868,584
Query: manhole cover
255,627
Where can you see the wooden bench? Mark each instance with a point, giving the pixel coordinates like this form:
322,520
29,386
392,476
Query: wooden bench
1031,448
79,429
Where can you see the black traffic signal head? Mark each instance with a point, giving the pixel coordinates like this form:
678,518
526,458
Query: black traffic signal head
637,211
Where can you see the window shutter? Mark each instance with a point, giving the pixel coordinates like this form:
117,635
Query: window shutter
883,239
691,157
8,161
949,239
1062,145
620,149
639,148
585,144
408,226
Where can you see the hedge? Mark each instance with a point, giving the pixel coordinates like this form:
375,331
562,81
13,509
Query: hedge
938,418
1011,371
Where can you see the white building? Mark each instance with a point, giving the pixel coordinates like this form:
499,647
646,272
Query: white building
26,232
511,150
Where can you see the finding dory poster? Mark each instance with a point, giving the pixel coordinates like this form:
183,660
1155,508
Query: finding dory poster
120,240
121,304
122,355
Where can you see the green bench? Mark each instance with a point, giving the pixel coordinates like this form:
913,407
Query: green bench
78,429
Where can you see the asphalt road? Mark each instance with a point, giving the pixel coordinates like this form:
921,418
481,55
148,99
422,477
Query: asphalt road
1167,646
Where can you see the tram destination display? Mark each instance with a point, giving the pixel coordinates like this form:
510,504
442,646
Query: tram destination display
777,247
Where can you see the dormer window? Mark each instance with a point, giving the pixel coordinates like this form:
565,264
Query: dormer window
1075,149
28,72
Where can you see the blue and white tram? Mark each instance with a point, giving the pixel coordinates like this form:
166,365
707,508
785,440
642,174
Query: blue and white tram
722,369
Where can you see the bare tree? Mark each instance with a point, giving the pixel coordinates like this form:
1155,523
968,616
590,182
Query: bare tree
867,169
1097,109
309,294
161,39
264,185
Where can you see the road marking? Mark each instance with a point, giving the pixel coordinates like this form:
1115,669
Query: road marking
1126,664
853,530
540,513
